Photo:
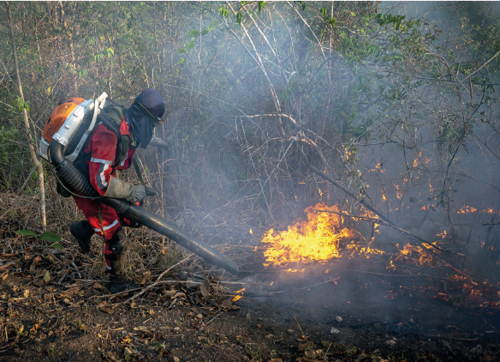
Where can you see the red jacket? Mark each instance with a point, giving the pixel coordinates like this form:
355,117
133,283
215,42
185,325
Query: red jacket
103,146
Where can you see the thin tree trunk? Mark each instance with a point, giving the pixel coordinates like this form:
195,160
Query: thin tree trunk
36,162
69,34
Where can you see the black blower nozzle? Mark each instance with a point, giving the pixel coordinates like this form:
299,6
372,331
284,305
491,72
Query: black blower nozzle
81,184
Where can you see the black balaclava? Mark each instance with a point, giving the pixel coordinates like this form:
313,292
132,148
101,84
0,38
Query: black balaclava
144,114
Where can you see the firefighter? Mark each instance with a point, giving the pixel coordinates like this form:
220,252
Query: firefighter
119,132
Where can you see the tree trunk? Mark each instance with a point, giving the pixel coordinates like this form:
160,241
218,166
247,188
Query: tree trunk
34,158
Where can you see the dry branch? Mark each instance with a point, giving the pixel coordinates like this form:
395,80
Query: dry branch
155,283
34,158
382,219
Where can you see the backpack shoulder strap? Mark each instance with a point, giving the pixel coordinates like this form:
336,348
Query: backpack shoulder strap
112,123
112,118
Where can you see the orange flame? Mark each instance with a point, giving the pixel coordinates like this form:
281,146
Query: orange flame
470,210
314,239
466,210
416,255
238,297
399,193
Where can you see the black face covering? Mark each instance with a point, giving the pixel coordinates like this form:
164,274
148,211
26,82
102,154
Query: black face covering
141,126
144,114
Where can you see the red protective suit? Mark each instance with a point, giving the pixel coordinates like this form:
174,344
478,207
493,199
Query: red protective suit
103,147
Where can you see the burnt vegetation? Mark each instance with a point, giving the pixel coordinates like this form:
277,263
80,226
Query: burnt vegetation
344,154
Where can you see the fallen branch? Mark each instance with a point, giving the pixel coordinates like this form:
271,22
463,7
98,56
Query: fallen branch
218,315
173,282
144,290
8,264
492,223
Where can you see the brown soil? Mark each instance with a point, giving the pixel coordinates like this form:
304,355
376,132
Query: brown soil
347,314
49,323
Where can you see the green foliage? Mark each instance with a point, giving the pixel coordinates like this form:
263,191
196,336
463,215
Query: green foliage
7,147
223,11
45,236
82,73
342,69
21,105
26,233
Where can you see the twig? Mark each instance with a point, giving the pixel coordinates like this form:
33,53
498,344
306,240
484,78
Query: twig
490,223
25,182
302,332
351,216
275,115
171,282
63,263
6,265
75,267
64,276
478,69
218,315
16,304
154,284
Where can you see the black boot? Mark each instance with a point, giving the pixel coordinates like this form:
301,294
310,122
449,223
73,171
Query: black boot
82,231
119,282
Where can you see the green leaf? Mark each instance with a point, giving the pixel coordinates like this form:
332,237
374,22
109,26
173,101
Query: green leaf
57,246
193,33
239,17
48,90
21,104
181,50
46,277
261,5
26,233
48,236
181,60
223,11
191,45
324,12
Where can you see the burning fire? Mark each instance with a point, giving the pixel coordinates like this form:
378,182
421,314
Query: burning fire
315,239
412,254
238,297
325,235
471,210
318,238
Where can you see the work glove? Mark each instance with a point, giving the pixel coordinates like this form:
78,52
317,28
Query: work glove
139,193
132,193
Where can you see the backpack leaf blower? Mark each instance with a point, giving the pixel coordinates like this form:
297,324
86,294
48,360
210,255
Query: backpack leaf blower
65,127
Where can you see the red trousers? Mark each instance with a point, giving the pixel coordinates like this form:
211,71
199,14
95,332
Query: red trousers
94,212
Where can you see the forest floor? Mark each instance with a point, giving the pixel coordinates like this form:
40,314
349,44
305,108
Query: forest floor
49,313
